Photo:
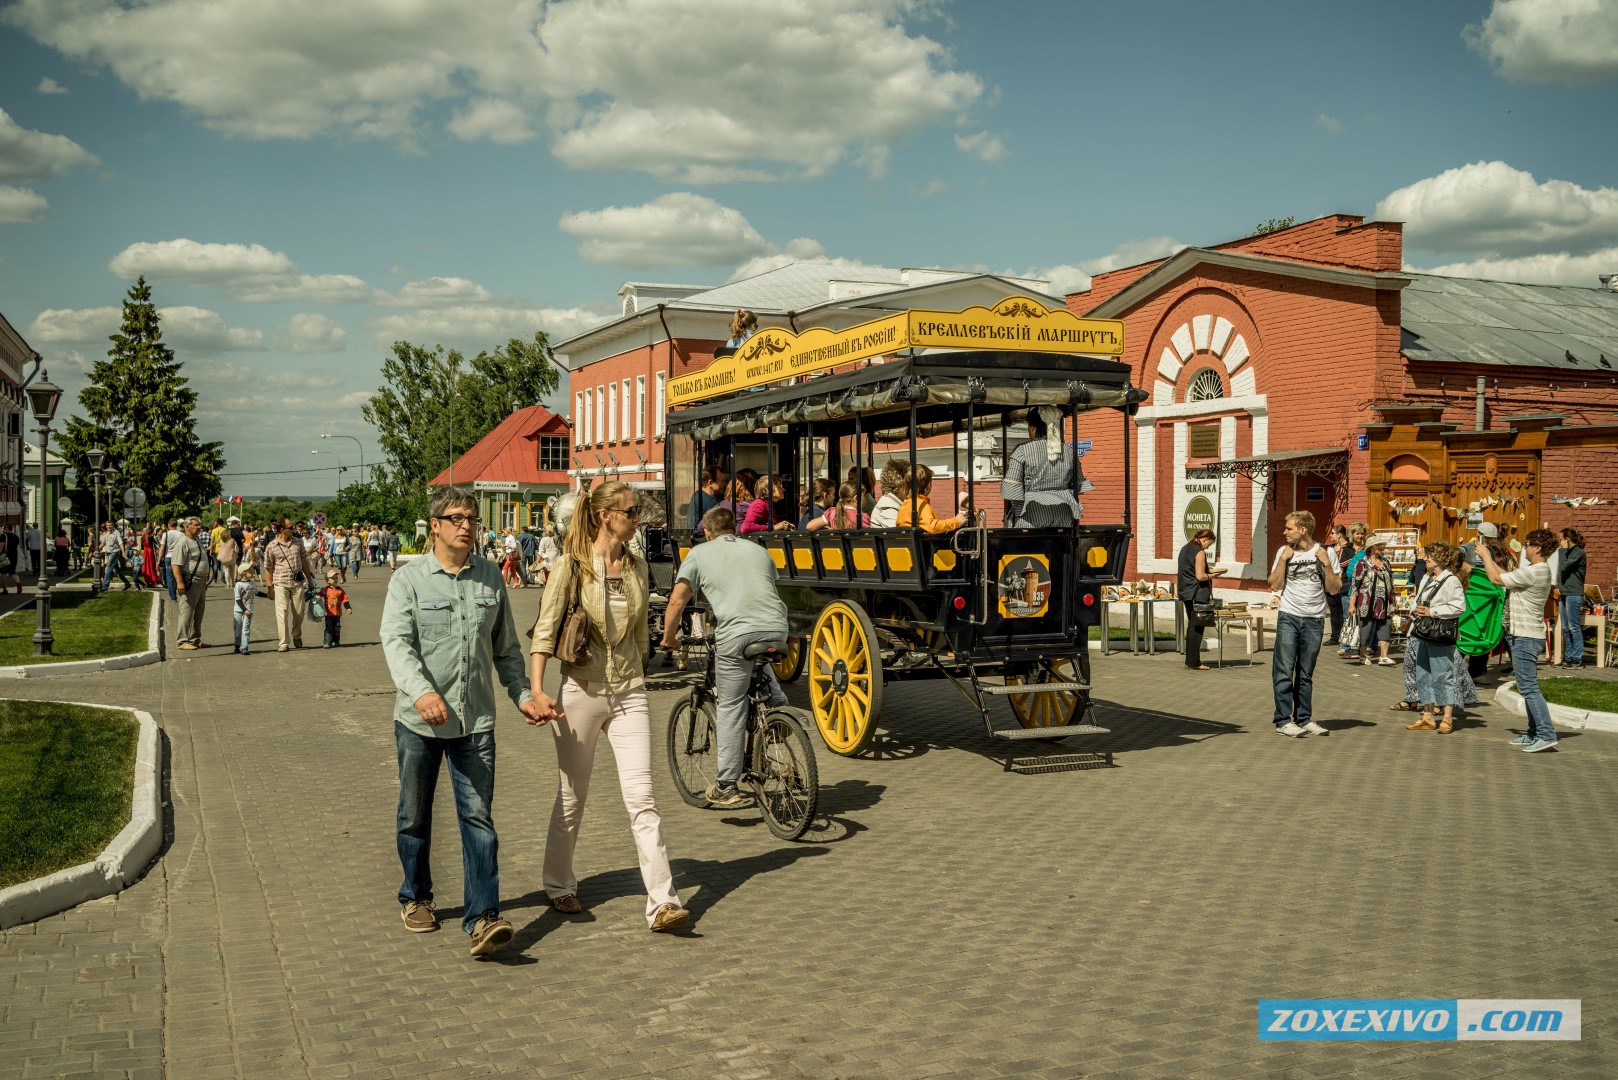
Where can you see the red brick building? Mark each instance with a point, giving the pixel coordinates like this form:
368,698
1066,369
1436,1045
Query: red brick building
515,468
1266,355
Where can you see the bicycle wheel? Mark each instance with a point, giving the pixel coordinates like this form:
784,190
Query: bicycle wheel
786,779
693,749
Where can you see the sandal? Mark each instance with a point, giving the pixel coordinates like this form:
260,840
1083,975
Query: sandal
1446,726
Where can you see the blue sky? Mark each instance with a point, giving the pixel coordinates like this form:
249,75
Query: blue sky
305,182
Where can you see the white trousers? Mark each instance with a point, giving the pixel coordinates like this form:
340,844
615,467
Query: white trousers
289,607
627,722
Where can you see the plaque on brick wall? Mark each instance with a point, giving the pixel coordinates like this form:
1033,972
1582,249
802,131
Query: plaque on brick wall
1205,441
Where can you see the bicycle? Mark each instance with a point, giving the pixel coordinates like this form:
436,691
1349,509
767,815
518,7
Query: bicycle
778,760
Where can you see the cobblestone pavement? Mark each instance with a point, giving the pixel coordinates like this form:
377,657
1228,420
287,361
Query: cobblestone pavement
948,919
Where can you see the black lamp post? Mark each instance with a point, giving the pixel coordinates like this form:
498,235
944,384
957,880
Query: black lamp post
96,457
43,396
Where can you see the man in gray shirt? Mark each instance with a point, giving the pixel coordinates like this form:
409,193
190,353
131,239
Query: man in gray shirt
190,569
737,579
447,621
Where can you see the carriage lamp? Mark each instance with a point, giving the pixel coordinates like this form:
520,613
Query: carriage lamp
960,603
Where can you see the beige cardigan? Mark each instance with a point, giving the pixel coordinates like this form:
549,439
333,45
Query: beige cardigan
618,665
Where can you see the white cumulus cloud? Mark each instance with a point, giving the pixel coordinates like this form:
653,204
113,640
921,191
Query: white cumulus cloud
1329,124
184,328
436,291
677,229
473,327
1498,211
26,154
697,91
1557,41
20,204
1554,268
495,119
201,264
302,380
48,85
309,332
983,146
1067,278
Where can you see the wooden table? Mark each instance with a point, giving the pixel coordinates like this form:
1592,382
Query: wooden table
1597,621
1251,624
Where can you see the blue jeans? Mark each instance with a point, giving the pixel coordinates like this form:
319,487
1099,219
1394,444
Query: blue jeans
471,772
1292,671
733,674
242,626
115,565
1435,673
1572,628
1525,666
167,569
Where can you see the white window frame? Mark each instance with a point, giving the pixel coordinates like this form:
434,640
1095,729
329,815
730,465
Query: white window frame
612,412
629,405
640,407
585,425
662,406
601,414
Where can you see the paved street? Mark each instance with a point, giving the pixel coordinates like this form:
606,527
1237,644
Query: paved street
948,919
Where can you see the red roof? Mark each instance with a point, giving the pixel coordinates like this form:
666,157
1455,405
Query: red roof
511,451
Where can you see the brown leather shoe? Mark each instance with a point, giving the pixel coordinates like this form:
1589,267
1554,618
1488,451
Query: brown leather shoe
567,905
1421,723
669,917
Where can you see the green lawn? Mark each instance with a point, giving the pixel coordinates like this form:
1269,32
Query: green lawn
85,627
1581,693
66,772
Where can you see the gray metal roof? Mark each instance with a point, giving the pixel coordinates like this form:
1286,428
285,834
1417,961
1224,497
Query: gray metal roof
1502,322
791,287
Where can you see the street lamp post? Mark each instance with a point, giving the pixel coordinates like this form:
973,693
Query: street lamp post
96,458
357,443
341,468
43,397
110,476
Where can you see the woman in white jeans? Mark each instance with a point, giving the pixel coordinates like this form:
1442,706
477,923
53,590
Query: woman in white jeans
604,694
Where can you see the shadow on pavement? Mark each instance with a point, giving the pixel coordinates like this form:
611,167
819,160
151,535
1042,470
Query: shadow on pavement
831,826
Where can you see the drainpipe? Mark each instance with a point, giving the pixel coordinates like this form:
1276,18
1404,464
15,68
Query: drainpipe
1480,422
668,382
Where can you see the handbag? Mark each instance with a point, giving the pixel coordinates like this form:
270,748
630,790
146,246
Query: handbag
1434,629
1203,614
573,633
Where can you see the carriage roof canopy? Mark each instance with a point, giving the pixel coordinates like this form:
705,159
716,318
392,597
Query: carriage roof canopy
1018,324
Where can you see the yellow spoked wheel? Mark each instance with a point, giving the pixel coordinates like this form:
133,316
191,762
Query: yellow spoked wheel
845,677
1057,709
790,666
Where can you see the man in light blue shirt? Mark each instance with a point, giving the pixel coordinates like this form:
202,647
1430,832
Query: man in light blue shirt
446,623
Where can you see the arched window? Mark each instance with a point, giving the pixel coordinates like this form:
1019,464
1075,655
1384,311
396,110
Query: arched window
1408,468
1205,386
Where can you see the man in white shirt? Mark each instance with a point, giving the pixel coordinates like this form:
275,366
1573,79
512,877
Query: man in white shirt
1527,589
1304,572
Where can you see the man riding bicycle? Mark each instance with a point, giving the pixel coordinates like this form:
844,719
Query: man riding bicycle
737,579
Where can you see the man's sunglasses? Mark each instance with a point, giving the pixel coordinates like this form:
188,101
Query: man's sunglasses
460,521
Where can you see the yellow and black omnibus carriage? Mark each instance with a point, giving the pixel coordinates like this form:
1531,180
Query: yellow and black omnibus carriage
997,611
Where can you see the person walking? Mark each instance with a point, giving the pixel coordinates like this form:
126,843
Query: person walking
1527,587
549,552
1570,572
10,553
189,569
1442,597
242,594
112,548
172,535
393,544
339,553
603,693
447,628
1195,586
1305,573
229,553
35,542
1371,601
287,574
333,602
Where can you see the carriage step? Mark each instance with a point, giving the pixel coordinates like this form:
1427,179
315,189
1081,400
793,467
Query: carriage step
1034,688
1057,732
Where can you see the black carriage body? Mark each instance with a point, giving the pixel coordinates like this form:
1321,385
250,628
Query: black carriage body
990,599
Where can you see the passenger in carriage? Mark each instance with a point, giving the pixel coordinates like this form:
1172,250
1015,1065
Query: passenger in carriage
707,495
864,480
846,514
740,494
767,496
922,482
1041,477
823,496
885,512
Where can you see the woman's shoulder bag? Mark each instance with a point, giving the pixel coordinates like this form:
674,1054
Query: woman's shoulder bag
573,633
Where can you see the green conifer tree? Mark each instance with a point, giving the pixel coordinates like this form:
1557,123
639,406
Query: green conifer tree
139,408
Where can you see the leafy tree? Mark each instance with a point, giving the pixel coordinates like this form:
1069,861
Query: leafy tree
381,502
262,511
432,401
139,408
1274,224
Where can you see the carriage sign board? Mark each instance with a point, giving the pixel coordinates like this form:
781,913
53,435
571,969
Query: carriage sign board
1017,323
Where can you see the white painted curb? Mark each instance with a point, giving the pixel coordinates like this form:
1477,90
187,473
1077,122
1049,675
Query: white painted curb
152,654
1561,715
123,861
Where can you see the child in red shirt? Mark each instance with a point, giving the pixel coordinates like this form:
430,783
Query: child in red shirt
335,601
